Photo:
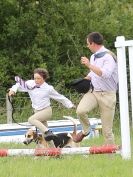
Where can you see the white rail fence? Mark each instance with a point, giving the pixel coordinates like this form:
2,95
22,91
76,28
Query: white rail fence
121,45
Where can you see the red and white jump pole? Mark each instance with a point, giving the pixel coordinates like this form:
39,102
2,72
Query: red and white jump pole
60,151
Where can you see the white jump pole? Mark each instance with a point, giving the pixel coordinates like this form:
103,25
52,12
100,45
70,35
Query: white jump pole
60,151
130,51
123,97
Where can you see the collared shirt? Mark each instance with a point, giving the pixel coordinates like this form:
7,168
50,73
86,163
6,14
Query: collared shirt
40,96
109,79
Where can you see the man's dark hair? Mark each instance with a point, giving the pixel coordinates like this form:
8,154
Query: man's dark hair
42,72
95,37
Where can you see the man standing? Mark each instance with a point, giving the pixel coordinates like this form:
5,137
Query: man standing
104,77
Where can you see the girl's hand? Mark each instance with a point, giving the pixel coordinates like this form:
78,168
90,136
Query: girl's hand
11,93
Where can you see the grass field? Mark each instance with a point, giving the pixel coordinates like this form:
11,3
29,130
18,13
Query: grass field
66,166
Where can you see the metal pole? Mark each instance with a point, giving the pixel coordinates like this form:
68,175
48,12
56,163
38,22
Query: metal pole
123,97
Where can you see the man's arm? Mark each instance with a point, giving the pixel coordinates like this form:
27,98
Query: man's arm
85,61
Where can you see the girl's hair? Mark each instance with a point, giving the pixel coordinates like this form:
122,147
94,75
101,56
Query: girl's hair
42,72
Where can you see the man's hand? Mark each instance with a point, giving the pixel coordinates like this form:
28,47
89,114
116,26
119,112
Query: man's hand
85,61
87,78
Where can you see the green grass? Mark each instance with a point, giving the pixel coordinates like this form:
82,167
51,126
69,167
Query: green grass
67,166
102,165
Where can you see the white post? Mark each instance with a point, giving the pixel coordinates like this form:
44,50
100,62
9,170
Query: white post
130,51
123,97
8,110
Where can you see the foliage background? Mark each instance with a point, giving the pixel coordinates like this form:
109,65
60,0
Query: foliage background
52,34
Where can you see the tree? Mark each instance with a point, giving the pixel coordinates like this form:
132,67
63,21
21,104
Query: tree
52,34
